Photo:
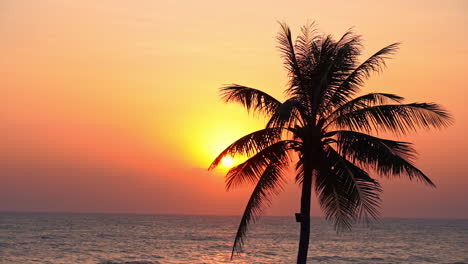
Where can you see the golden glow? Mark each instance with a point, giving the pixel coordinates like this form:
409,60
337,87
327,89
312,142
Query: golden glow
227,161
111,84
213,137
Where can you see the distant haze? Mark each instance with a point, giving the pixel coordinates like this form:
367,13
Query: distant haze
112,106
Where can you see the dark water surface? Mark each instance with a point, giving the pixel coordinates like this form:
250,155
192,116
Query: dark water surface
105,238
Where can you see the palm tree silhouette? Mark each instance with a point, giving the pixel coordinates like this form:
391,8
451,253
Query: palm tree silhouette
325,130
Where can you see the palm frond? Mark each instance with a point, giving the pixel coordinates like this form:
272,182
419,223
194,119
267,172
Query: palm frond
339,62
252,99
304,43
387,157
346,192
299,171
396,118
250,144
363,101
288,53
355,80
288,114
269,184
250,170
374,63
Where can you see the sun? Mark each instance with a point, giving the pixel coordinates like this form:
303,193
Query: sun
227,161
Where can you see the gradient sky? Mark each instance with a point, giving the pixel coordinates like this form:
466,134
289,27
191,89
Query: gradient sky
112,105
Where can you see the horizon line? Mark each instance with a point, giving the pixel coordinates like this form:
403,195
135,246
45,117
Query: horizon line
216,215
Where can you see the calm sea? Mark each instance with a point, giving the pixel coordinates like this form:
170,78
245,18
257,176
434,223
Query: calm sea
150,239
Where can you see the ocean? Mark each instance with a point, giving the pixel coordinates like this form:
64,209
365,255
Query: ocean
155,239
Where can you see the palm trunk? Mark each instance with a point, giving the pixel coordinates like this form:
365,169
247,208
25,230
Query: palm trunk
305,216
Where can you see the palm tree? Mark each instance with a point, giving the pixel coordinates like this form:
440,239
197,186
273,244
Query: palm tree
326,131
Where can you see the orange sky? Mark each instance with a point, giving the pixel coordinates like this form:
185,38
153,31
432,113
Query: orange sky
112,106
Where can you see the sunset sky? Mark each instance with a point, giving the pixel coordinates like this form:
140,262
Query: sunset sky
113,105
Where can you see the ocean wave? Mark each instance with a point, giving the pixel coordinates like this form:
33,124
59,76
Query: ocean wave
156,240
218,247
129,262
346,259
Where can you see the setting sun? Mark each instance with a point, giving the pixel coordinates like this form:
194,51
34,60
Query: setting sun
227,161
173,127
